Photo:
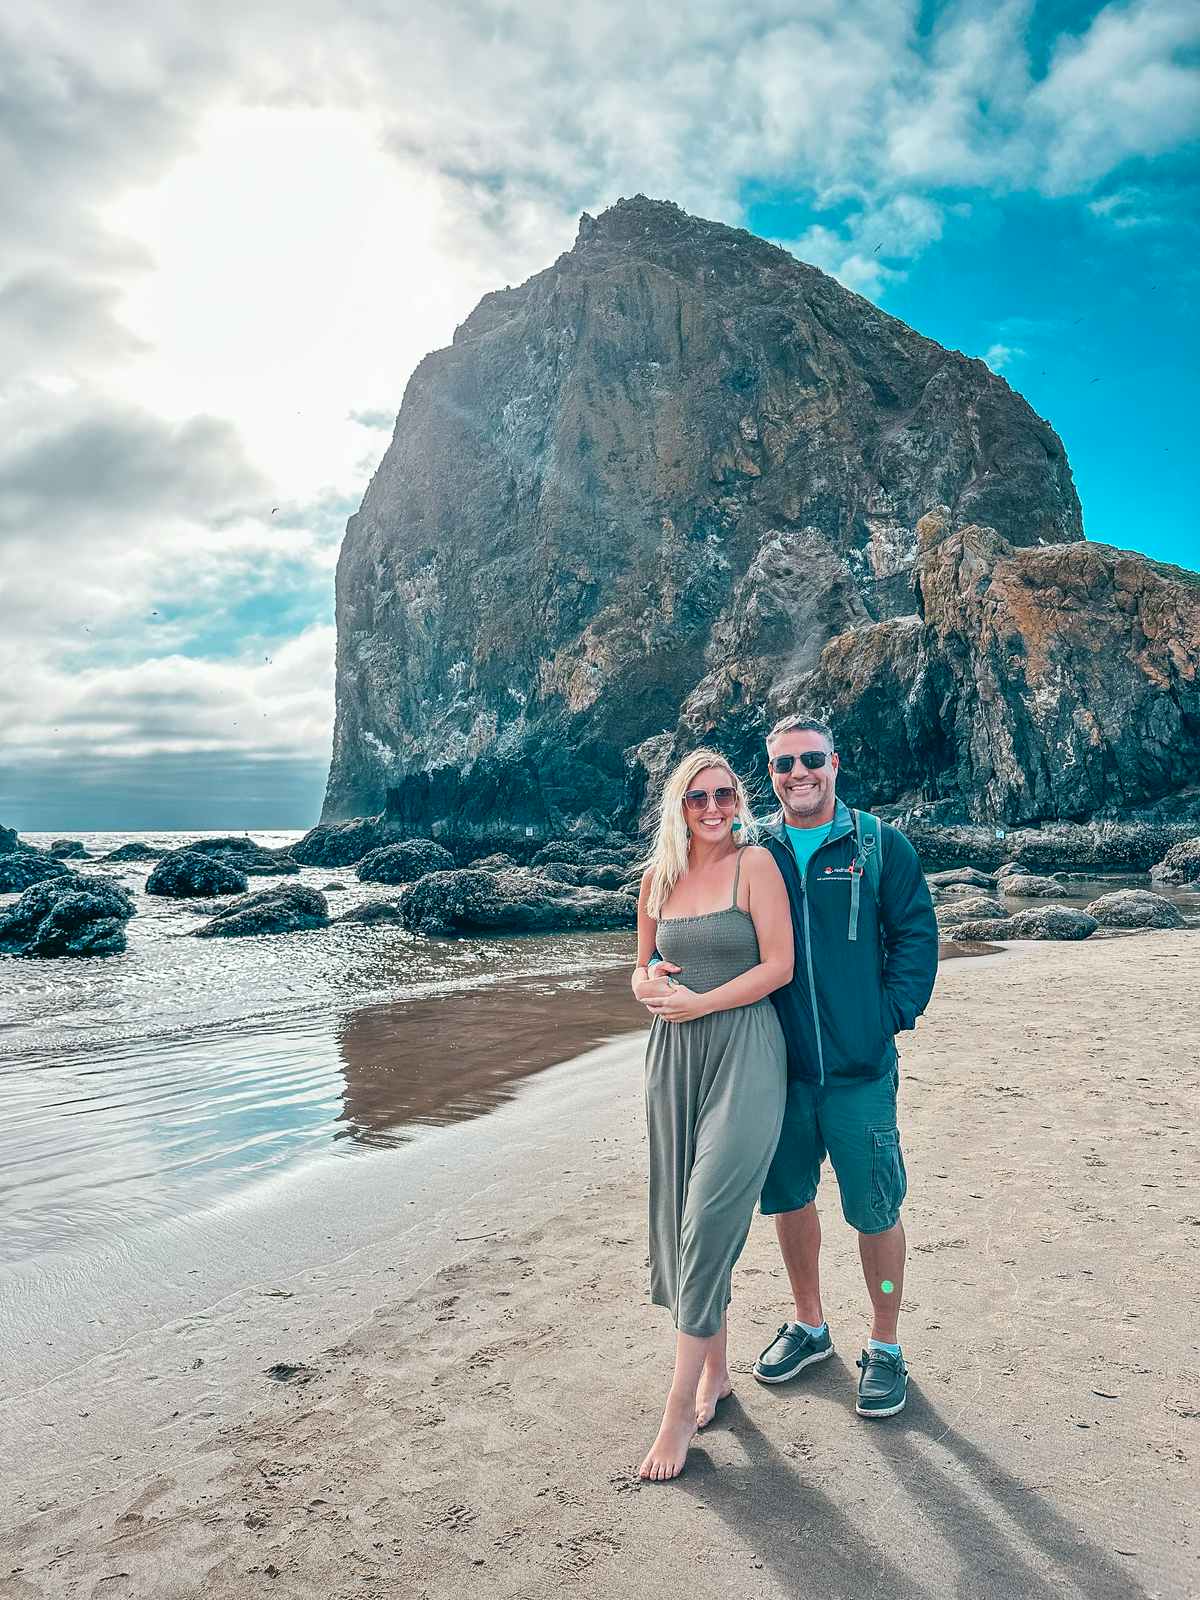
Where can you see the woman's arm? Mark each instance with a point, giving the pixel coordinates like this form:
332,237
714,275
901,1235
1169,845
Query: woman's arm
772,917
647,927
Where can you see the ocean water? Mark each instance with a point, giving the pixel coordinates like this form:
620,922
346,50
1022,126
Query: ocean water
138,1087
142,1088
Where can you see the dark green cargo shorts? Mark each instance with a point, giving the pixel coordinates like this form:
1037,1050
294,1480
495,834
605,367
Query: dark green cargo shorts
855,1124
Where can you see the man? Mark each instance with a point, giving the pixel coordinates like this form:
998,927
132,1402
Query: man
866,944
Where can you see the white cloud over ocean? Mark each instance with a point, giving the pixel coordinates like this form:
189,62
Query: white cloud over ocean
232,230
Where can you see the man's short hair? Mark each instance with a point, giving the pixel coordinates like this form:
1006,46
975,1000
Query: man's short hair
801,724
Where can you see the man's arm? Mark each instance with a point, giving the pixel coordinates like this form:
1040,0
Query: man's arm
910,932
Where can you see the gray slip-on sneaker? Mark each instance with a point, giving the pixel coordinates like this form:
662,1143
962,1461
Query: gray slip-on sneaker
790,1351
883,1385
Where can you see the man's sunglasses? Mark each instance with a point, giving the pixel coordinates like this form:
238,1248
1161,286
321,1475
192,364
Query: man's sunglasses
811,759
725,799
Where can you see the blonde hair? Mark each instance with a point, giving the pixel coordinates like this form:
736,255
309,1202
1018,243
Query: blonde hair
669,858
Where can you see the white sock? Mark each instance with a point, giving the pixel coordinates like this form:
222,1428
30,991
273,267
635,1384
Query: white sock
807,1327
878,1344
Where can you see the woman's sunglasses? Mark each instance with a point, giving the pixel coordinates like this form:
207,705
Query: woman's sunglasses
811,759
725,800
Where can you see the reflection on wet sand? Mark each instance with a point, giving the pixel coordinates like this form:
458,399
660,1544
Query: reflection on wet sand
449,1059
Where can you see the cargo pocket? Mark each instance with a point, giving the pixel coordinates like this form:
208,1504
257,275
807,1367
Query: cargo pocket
889,1181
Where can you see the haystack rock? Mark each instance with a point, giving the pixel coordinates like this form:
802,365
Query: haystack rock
680,482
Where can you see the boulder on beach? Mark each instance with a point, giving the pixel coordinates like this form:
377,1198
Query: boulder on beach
625,854
570,851
8,840
404,862
493,863
958,891
1039,922
1052,922
964,877
67,915
982,931
136,851
373,911
186,875
68,850
973,909
1097,846
1181,864
1021,886
341,844
443,904
20,868
1014,869
606,875
332,885
285,908
1135,908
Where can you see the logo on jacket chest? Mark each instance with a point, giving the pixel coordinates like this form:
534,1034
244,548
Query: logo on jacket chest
836,874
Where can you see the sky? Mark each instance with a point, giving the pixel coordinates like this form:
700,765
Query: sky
232,230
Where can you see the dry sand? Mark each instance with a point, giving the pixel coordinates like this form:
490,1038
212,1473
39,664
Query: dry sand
476,1389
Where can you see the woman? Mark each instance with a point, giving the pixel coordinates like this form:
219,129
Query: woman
716,1069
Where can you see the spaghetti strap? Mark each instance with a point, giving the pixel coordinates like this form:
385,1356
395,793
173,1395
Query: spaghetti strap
737,872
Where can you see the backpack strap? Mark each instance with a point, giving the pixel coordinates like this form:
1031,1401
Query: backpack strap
868,858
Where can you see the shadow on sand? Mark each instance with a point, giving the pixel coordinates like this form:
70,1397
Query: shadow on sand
1009,1542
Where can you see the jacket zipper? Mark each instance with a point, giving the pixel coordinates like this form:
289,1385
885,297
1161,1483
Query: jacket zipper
812,982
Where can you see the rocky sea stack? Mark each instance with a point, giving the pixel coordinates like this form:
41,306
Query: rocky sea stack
680,483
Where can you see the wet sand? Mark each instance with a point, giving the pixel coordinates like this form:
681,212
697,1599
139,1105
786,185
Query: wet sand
467,1371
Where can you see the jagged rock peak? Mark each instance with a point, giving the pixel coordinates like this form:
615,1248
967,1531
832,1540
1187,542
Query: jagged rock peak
637,494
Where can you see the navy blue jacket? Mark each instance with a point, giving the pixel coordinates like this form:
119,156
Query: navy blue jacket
849,998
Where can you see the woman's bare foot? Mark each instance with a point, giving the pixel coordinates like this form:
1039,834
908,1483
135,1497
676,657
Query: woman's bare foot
669,1451
713,1386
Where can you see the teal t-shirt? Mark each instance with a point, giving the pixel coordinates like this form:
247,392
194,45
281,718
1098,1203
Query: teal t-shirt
806,842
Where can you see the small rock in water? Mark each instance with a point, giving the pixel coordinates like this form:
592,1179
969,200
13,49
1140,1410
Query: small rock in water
404,862
19,869
373,911
342,844
135,851
69,849
1033,887
1181,864
972,909
67,915
288,908
467,901
188,874
971,877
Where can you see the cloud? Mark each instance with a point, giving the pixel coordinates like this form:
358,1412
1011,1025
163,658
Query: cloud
266,707
231,233
1133,207
857,252
1129,87
998,356
116,461
51,324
